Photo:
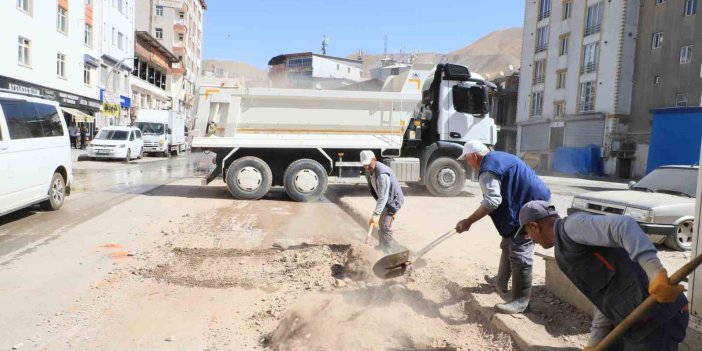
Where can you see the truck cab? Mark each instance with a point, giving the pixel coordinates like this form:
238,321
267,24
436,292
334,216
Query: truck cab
163,131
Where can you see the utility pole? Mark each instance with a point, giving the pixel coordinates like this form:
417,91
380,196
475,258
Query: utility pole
325,44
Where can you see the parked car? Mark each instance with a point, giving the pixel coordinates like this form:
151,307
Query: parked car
123,143
663,203
35,153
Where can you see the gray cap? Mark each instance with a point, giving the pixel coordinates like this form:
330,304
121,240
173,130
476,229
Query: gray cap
535,211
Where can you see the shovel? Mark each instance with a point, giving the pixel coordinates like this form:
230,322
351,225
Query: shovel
395,265
368,236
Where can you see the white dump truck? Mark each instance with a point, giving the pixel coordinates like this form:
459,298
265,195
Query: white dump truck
265,137
163,131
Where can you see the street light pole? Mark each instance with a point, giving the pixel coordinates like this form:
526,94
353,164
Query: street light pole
109,85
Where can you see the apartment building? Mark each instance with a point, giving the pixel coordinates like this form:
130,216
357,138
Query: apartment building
503,108
52,52
576,75
178,26
152,67
667,73
308,70
117,56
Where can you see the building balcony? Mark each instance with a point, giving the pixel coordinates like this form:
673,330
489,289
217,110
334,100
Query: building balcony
544,15
179,50
541,48
538,80
180,28
588,106
588,68
592,30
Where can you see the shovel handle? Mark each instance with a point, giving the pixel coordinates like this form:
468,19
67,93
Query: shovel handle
370,231
434,243
641,310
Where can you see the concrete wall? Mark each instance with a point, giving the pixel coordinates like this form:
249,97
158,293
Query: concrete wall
46,42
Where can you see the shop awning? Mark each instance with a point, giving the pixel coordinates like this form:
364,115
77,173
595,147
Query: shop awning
78,115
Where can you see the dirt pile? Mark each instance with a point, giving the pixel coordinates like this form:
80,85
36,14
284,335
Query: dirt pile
298,267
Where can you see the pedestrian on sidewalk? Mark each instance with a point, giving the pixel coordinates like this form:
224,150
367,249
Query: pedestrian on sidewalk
388,195
614,264
83,131
73,135
507,184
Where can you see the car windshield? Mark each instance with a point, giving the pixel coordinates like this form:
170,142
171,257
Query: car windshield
150,128
113,135
676,181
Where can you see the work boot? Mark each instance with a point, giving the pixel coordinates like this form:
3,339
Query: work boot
521,291
499,282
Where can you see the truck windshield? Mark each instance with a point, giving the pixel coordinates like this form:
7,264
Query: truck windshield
113,135
150,128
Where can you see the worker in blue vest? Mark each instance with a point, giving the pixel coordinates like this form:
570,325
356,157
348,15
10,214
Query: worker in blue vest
507,184
386,191
613,263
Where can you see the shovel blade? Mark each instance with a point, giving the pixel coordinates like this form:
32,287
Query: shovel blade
392,266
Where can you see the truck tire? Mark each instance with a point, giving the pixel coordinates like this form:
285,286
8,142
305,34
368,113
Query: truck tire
445,177
57,193
249,178
305,180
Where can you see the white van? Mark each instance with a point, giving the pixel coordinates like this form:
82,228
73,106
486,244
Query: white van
35,153
123,143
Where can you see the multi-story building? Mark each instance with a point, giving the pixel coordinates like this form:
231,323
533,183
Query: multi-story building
52,52
576,75
667,73
150,76
503,108
312,71
117,58
177,25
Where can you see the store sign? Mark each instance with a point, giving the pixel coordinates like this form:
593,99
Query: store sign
63,98
170,3
110,109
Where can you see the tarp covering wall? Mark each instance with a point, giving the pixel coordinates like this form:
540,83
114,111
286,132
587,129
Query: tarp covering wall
578,160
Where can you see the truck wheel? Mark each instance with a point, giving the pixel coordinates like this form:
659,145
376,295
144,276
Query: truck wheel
445,177
167,152
681,240
305,180
57,193
249,178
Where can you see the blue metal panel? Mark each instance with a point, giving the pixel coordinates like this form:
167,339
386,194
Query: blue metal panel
675,137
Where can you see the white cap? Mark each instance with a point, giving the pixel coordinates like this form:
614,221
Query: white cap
474,147
366,157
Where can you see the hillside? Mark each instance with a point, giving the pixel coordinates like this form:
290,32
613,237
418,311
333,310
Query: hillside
248,73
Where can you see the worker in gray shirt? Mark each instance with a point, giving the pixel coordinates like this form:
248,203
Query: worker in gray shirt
507,184
612,262
386,190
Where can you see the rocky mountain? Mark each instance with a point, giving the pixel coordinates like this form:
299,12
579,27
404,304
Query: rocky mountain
253,76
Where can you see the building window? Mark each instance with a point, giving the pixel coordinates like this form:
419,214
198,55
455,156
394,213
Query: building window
114,36
159,10
657,42
86,75
657,80
681,100
539,72
159,33
23,51
537,104
25,6
559,107
120,6
542,39
561,79
88,36
686,54
658,2
89,2
181,36
690,7
586,102
593,23
61,65
567,9
563,45
62,20
544,9
181,15
120,40
590,58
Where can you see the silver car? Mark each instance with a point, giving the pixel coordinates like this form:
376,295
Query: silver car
663,203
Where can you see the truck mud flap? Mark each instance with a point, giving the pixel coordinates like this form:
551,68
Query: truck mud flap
214,174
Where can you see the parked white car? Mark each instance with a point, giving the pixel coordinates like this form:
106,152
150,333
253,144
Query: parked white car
123,143
663,203
35,153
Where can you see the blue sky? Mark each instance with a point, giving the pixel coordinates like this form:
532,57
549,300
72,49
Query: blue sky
253,31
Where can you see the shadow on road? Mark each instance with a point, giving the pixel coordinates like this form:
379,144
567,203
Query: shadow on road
361,190
18,215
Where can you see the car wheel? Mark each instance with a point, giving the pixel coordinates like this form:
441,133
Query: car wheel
249,178
141,154
57,193
445,177
128,158
681,240
305,180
